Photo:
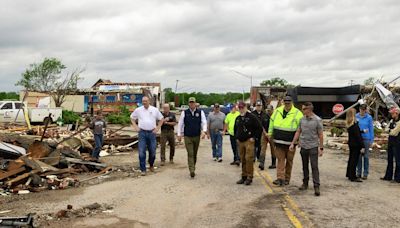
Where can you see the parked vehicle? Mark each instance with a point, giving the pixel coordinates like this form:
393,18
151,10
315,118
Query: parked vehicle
183,108
11,111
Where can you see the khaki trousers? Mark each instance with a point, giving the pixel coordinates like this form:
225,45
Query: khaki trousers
167,136
192,146
246,150
285,161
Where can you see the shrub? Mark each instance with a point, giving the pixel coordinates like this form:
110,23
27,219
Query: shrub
337,131
70,117
122,117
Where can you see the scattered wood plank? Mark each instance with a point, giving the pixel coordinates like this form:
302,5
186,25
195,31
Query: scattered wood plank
60,171
12,173
78,161
38,165
21,177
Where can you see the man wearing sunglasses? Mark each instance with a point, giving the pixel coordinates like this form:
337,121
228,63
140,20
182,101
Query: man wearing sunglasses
282,127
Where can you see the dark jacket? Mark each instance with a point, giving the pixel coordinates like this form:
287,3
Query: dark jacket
192,123
263,117
355,138
246,127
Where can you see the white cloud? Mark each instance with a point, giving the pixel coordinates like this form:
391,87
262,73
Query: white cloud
312,43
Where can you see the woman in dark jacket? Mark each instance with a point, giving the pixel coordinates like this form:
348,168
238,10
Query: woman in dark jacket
355,145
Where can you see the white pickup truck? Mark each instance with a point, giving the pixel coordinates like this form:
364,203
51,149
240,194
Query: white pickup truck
10,109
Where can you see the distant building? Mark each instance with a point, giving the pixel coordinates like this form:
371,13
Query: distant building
105,95
324,98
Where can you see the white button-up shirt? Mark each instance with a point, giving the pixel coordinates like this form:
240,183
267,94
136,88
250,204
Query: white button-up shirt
181,123
147,117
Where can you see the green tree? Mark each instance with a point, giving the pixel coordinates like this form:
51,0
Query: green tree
276,82
369,81
9,96
47,77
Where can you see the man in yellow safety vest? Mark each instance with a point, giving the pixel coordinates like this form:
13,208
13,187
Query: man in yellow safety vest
283,125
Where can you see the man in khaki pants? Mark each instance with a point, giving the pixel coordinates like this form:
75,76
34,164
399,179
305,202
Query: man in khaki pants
247,127
282,127
168,134
193,126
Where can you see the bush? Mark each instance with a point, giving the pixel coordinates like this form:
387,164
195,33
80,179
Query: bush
378,132
337,131
70,117
122,117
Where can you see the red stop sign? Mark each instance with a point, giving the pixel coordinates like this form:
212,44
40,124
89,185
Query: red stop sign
337,108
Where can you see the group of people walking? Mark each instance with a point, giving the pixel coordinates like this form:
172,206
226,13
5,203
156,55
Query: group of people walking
284,129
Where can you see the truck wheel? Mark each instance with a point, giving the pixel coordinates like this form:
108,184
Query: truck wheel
48,120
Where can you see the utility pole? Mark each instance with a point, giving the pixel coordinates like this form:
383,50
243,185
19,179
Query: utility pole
246,76
176,86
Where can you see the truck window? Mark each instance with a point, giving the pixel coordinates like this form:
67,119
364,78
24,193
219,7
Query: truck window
7,106
18,105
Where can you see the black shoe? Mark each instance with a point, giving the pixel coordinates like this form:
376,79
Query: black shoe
317,192
358,176
238,163
364,177
356,180
395,181
219,159
272,167
286,182
248,181
241,181
278,182
385,179
261,167
233,163
192,174
303,187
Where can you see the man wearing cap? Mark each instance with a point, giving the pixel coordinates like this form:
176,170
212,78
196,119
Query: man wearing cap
282,127
246,128
147,116
393,147
366,124
192,124
229,126
265,141
215,123
262,117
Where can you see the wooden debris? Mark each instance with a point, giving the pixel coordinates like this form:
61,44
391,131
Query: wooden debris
12,173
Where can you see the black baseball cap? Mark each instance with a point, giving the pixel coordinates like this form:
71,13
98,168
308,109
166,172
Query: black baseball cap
287,98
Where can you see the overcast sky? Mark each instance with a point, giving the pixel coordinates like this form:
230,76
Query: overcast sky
199,43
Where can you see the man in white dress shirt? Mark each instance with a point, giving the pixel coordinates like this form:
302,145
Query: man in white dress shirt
147,117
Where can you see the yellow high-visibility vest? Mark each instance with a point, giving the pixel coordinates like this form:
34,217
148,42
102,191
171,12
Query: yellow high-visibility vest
283,129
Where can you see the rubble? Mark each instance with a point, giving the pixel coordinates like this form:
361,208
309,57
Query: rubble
49,164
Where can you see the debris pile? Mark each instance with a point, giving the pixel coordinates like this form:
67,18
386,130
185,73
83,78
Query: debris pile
28,164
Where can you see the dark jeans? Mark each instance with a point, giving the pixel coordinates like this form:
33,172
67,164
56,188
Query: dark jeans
257,147
147,140
98,140
167,136
310,155
393,154
354,155
216,142
234,146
